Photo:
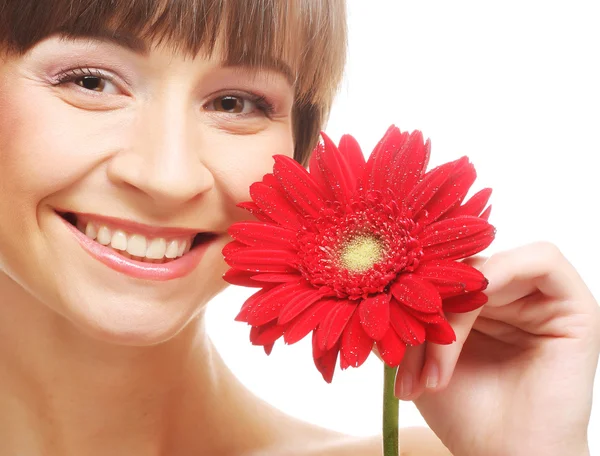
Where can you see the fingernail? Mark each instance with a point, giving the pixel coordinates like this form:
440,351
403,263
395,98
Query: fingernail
405,384
433,376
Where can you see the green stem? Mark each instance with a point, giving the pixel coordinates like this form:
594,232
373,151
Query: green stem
390,413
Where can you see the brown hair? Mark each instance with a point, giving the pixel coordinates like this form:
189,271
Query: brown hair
308,35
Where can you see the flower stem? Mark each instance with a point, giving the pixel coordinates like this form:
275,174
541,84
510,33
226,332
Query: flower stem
390,413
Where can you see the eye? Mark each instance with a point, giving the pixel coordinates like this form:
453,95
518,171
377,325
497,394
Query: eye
89,80
240,104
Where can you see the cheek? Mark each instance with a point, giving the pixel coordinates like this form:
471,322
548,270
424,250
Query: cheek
46,144
244,160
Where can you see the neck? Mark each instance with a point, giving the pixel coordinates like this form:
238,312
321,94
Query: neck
63,393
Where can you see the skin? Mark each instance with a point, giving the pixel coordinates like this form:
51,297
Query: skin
94,362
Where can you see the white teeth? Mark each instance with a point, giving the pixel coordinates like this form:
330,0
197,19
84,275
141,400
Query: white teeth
90,231
172,249
104,235
119,240
137,246
156,249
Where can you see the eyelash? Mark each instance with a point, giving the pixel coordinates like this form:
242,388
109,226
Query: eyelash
71,75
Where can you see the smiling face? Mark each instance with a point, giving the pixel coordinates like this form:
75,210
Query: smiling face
115,160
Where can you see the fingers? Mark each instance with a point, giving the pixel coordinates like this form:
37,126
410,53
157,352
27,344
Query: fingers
539,266
408,379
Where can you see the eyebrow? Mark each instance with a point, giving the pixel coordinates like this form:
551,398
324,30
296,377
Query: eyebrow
141,47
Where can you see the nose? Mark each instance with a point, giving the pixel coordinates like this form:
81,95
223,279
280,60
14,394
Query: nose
163,159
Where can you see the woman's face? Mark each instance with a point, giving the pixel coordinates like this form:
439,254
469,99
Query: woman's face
112,159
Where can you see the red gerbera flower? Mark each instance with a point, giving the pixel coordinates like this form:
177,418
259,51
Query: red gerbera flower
360,253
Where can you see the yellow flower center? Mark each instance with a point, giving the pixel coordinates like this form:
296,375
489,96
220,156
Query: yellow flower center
361,253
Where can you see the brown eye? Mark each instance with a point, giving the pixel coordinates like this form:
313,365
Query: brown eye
91,83
230,104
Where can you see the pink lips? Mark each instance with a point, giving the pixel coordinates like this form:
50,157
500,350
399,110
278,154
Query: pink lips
174,269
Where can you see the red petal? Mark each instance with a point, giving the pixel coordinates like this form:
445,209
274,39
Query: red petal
268,348
266,334
334,170
232,248
425,190
456,238
391,348
250,302
260,234
440,333
298,304
298,184
275,205
451,193
425,317
375,315
416,293
325,360
485,215
333,324
467,303
356,343
307,321
406,326
410,164
256,211
241,278
350,150
474,206
263,260
274,278
378,175
269,306
451,278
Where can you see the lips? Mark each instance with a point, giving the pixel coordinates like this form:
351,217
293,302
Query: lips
138,250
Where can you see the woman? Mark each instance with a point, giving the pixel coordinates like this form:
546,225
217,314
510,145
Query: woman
128,132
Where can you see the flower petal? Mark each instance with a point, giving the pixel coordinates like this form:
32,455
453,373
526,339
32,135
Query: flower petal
308,321
333,170
260,234
391,348
450,194
250,302
269,305
375,315
356,343
350,150
275,205
299,185
333,324
485,215
410,330
378,174
266,334
440,333
416,293
325,360
425,190
451,278
256,211
263,260
274,278
298,304
456,238
410,164
466,303
241,278
474,206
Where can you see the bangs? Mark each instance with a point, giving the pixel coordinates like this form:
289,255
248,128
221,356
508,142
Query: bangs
257,33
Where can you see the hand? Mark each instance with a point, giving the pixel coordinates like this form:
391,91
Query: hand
524,378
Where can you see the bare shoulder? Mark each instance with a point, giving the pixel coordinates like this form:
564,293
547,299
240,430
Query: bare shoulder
416,441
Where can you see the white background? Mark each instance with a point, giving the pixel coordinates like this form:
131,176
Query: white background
512,84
